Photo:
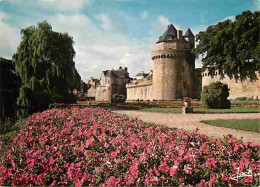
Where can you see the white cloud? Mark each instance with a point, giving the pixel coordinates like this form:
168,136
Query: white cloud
232,18
98,50
198,62
144,15
9,38
125,59
164,22
64,4
106,22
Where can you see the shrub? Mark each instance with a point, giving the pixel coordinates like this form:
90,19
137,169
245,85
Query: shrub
116,98
241,99
215,96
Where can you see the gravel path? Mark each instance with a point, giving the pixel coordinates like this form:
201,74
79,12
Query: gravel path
192,121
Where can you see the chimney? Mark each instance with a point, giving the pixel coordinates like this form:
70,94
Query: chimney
179,34
125,69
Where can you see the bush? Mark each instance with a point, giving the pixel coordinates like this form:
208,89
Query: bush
241,99
215,96
116,98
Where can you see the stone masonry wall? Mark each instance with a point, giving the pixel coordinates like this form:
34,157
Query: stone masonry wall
91,91
140,89
246,88
143,92
167,71
103,93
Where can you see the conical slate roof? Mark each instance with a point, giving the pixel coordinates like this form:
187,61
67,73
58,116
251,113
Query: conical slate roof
170,32
189,33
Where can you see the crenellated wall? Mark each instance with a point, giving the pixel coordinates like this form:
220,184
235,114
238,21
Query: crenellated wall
173,69
246,88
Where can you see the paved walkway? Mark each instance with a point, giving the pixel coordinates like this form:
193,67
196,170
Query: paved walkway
192,121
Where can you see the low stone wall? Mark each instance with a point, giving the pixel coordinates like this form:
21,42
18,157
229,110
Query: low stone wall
247,88
142,91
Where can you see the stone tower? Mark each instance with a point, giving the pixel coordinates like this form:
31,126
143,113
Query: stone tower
173,65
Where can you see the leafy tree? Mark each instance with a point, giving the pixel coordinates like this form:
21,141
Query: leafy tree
215,96
44,61
9,88
233,48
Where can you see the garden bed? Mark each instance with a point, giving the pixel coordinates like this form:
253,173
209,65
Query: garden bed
93,146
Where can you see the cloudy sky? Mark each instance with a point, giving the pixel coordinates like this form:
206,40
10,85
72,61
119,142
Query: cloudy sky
113,33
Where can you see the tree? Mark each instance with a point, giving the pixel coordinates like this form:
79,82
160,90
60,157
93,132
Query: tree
215,96
44,61
9,88
233,48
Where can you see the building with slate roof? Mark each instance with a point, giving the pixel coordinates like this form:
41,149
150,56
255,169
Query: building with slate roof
111,82
141,75
173,69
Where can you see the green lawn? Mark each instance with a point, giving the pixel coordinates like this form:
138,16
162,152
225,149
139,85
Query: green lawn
203,110
163,110
247,124
6,137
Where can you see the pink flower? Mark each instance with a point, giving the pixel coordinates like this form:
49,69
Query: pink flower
236,148
53,183
134,169
3,169
181,151
79,182
249,180
129,180
51,161
113,154
164,167
212,178
142,157
111,181
173,170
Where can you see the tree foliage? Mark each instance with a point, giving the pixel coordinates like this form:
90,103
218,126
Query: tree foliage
215,96
44,61
233,48
9,88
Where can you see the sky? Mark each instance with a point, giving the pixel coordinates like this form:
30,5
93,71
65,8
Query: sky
113,33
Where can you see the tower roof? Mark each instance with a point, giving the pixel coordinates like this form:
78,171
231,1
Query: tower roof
189,33
170,32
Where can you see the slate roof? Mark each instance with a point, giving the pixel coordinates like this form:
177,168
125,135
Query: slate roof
189,33
115,73
171,31
142,74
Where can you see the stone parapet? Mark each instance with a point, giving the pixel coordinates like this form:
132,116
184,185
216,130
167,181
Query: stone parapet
138,85
170,54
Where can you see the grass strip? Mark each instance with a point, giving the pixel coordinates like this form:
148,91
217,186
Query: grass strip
245,124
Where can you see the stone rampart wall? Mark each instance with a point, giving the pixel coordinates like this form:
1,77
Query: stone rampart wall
247,88
141,91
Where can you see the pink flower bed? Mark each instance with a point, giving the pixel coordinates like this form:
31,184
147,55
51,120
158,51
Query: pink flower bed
92,146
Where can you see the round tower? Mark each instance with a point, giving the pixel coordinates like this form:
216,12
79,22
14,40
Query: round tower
168,65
